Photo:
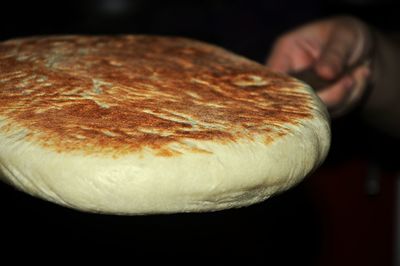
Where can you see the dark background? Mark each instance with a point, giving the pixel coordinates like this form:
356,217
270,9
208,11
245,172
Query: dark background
332,218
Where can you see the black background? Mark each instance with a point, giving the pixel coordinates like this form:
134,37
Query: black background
284,230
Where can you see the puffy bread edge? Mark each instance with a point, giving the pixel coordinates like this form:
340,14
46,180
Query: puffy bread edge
234,175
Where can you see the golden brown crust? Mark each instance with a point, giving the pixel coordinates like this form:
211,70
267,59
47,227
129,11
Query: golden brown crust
126,93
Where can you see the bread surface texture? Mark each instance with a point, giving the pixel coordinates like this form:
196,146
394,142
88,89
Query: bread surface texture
137,124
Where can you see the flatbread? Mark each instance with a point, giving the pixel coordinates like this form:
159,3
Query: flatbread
148,124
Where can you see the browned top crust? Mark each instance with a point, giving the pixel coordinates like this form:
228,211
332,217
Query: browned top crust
121,94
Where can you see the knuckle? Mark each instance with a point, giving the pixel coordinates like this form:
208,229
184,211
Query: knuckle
285,41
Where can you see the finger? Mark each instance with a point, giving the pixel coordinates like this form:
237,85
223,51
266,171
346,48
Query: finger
336,94
345,94
335,55
361,76
302,58
291,54
279,62
279,58
311,46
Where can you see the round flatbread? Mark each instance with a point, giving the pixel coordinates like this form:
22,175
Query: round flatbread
147,124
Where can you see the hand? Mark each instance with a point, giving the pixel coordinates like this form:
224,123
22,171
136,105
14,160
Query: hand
337,50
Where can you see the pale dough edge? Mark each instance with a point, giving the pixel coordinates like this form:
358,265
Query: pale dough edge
235,175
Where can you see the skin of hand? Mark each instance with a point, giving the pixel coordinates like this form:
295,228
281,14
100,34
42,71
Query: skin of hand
338,50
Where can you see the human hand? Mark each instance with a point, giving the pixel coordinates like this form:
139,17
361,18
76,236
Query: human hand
337,50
